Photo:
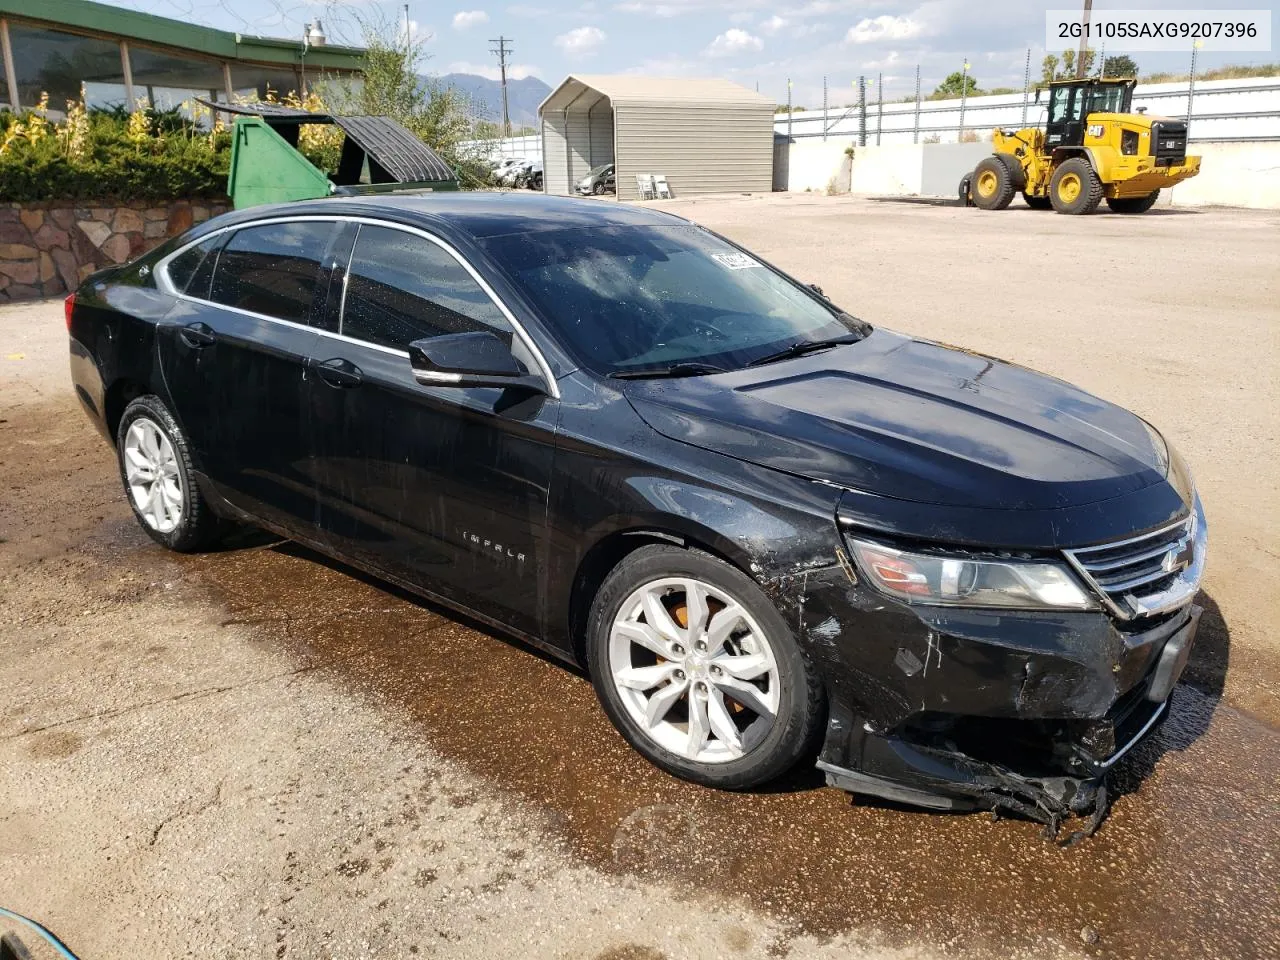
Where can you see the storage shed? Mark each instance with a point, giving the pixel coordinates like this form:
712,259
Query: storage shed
703,135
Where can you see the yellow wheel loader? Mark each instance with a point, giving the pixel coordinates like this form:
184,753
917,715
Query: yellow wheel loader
1091,149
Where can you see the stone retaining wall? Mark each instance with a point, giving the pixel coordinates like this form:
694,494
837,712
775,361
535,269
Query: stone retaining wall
47,249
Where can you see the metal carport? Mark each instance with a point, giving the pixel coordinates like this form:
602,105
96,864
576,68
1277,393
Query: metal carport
703,135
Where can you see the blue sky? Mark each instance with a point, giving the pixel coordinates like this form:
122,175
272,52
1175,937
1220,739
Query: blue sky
754,42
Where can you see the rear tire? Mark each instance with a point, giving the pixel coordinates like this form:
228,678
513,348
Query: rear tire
1037,203
159,480
1133,204
992,184
760,703
1075,187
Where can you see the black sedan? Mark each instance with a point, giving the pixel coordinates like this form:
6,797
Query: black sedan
769,530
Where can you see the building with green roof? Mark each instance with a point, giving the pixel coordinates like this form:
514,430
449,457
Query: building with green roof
122,57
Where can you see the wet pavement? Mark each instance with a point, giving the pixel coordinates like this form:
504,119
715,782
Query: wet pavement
1186,865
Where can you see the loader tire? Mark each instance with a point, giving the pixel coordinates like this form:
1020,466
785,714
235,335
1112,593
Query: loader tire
1037,203
1015,170
1075,187
992,184
1133,204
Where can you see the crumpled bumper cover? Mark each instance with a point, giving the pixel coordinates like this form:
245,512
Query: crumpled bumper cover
1022,712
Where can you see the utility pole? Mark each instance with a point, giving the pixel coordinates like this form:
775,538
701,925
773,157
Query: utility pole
502,49
824,109
1084,38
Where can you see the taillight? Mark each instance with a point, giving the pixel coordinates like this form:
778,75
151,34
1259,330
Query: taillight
69,306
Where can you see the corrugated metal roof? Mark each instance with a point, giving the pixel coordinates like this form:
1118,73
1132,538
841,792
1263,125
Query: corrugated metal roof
627,88
399,152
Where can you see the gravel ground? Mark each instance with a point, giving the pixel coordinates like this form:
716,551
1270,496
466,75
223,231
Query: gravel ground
257,752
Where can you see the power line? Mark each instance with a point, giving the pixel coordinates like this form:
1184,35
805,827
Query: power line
502,49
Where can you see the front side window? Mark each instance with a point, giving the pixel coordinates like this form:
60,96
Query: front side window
629,299
272,269
402,287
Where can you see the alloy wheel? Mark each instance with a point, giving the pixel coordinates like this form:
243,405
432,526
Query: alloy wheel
694,670
151,472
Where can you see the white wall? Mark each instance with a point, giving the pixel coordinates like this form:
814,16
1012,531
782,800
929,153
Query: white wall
1231,174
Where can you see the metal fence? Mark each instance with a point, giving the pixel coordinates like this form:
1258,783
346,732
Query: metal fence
1240,109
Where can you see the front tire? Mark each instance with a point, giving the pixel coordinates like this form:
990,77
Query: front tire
1075,187
993,184
697,670
159,480
1133,204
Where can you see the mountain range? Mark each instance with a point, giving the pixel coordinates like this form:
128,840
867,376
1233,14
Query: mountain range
523,96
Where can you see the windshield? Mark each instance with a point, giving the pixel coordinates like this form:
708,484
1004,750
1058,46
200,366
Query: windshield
596,171
1107,99
627,299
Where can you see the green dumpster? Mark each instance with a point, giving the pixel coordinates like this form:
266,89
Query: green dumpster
378,155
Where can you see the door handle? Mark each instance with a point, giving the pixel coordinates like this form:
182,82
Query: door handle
337,372
197,335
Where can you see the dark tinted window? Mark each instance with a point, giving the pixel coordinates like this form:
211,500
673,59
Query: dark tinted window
272,269
639,298
191,270
403,288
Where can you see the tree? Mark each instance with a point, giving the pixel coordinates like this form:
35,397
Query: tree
956,84
391,86
1121,65
1050,70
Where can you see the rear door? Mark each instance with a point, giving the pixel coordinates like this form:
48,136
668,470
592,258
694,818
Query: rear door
234,355
442,487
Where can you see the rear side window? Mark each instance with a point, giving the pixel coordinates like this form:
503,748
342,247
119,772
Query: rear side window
191,270
272,269
402,288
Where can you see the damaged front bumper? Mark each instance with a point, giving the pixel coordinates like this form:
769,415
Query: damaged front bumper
1021,712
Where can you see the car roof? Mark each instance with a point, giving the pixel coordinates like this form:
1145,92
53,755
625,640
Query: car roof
479,213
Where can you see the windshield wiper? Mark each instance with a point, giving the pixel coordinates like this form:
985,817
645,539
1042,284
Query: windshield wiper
687,368
806,346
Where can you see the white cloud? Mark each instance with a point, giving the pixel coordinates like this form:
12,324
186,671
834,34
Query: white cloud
734,41
469,18
515,71
581,41
773,24
883,28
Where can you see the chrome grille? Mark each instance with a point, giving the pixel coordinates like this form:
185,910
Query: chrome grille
1148,574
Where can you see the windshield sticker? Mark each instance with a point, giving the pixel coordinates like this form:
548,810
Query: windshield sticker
734,261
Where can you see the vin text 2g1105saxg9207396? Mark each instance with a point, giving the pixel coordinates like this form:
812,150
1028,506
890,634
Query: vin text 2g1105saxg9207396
769,530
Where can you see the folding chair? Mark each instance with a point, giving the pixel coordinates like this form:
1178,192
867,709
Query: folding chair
644,186
660,188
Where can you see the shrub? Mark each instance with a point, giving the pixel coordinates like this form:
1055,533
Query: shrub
110,155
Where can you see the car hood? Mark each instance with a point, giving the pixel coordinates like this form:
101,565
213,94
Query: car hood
914,420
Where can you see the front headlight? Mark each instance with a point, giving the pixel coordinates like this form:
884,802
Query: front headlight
964,582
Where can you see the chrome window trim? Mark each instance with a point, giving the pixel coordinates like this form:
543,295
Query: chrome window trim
162,274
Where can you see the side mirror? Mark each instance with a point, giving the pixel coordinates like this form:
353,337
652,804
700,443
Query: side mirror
1037,94
480,359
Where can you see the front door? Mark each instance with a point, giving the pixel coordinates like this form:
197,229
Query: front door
442,487
234,353
1065,124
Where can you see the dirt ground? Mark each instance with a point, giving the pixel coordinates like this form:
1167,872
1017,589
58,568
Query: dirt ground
259,753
